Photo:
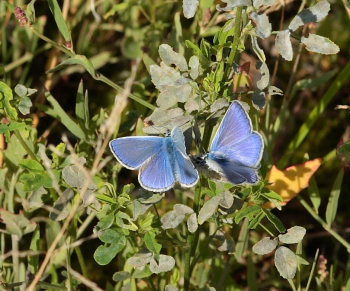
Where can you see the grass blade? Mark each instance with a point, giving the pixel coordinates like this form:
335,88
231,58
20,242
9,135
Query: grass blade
332,205
61,24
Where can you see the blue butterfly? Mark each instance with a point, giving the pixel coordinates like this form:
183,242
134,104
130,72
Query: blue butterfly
236,150
161,161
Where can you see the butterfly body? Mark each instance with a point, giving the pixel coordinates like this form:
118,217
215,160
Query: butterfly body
162,161
236,150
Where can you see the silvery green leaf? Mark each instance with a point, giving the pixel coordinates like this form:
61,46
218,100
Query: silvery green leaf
259,100
264,75
171,219
139,260
192,223
312,14
170,57
257,49
190,7
62,207
167,98
21,90
275,91
150,198
218,105
286,262
164,264
166,119
258,3
171,288
263,25
183,209
194,67
226,200
294,235
208,209
88,197
35,200
193,104
139,208
265,246
284,45
319,44
228,244
121,276
231,4
163,76
74,176
24,105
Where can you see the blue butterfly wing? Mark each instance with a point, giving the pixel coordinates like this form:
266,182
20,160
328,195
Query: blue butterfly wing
235,127
186,173
133,151
247,152
232,171
157,174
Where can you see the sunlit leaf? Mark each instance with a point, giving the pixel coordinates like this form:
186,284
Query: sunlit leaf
208,209
319,44
190,7
192,223
291,181
170,57
264,75
139,260
258,3
194,67
294,235
183,209
231,4
263,25
171,219
286,262
171,288
164,264
284,45
121,276
312,14
151,242
226,200
265,246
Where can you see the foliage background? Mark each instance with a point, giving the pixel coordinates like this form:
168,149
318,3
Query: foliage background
121,39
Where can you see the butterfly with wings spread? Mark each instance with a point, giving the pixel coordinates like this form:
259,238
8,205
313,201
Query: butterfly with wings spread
235,154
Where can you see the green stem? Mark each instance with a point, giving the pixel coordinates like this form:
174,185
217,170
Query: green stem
266,229
109,82
81,261
324,224
236,35
25,146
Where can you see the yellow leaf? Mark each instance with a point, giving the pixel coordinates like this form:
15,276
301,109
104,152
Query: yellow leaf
291,181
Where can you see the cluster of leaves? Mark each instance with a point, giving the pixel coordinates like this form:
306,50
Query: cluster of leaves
173,245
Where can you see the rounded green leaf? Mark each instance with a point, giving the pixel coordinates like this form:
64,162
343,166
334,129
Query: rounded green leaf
286,262
164,264
265,246
294,235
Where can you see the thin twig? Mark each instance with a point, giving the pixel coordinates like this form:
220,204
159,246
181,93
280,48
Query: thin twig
93,286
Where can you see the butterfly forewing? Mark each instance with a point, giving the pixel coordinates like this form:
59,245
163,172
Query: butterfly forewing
234,127
133,151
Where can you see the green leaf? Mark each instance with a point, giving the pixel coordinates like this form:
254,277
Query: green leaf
208,209
294,235
16,224
314,194
190,7
332,205
165,264
24,105
265,246
114,243
77,60
5,97
254,222
33,181
284,45
170,57
151,242
286,262
57,112
344,152
121,276
33,261
272,195
319,44
79,103
32,165
247,212
61,24
274,220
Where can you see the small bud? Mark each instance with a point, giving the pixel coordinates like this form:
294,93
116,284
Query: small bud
21,16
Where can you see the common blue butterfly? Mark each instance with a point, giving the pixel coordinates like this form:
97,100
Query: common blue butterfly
161,161
236,150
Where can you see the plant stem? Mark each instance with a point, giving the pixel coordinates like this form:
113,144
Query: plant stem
324,224
236,35
109,82
266,229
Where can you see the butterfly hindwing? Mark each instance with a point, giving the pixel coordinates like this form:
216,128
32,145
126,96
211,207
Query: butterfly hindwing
133,151
157,174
